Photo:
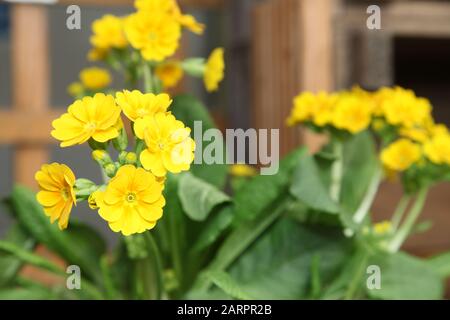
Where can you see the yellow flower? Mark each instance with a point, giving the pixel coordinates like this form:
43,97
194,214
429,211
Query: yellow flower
382,228
155,34
189,22
75,89
242,170
404,109
379,97
171,8
132,202
214,70
97,54
91,117
437,149
352,114
137,105
416,134
95,78
304,108
57,196
169,146
400,155
170,73
93,199
108,33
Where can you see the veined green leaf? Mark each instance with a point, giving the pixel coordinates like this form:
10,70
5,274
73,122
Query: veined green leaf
227,284
198,197
260,191
308,187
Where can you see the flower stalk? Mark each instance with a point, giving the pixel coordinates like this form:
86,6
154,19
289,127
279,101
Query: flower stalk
337,170
409,222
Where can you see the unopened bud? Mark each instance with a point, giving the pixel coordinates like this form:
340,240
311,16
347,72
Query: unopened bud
99,155
131,158
110,170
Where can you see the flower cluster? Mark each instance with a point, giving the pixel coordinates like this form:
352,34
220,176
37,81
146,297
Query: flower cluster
412,142
132,200
151,36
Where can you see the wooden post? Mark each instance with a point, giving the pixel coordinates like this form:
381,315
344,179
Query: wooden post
315,38
291,53
30,72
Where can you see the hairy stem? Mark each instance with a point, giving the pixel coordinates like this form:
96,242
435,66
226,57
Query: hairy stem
369,197
400,211
337,171
410,219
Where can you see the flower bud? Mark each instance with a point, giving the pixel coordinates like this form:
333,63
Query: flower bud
130,158
99,155
110,170
194,67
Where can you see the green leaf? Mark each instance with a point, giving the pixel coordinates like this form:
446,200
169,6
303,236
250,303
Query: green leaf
406,277
360,164
9,264
315,277
308,187
213,228
188,109
260,191
278,265
227,284
198,197
29,257
440,264
67,244
32,293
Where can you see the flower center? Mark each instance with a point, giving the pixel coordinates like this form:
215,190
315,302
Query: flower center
65,194
161,145
90,126
131,197
142,112
152,36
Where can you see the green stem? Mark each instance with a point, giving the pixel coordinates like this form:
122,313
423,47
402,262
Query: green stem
156,255
148,78
337,170
400,211
175,250
107,279
409,222
369,197
357,275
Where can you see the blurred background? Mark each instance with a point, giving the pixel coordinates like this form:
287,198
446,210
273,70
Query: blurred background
274,50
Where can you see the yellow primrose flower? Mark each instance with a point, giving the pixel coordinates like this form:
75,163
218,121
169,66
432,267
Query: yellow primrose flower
352,114
400,155
170,73
95,78
404,109
242,170
214,70
382,228
92,200
416,134
379,97
108,33
132,202
91,117
155,34
169,146
96,54
57,196
75,89
304,108
171,8
137,105
437,149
